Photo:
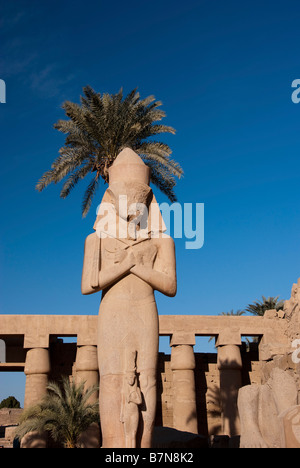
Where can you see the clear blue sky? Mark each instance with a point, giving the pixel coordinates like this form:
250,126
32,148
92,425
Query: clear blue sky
223,71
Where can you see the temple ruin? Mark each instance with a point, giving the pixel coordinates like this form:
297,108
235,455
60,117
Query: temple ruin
197,392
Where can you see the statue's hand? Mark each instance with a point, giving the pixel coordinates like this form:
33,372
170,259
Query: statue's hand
139,258
130,259
125,256
120,256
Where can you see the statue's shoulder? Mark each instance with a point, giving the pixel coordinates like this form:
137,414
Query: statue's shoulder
91,264
92,241
91,238
164,239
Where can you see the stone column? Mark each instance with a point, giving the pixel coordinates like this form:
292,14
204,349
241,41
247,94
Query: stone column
183,365
37,368
86,368
230,366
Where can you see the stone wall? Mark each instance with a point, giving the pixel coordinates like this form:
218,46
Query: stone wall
9,416
207,382
9,419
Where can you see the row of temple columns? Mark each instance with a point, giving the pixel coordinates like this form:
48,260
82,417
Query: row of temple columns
37,369
184,390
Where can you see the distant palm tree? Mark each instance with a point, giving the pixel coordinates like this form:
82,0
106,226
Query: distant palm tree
98,129
238,312
64,413
259,307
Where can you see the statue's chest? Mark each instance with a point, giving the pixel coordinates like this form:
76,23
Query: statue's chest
114,251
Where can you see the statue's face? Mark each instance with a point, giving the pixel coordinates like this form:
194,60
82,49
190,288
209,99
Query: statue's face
131,200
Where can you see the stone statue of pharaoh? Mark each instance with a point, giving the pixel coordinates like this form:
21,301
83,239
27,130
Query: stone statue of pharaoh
128,258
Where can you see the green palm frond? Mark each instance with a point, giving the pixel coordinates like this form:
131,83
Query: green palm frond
259,307
97,130
64,413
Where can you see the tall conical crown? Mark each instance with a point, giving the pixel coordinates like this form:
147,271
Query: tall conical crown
129,166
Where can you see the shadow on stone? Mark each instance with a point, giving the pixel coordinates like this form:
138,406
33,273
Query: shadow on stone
223,441
166,437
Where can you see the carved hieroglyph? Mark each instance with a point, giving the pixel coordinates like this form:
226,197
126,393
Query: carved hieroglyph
128,258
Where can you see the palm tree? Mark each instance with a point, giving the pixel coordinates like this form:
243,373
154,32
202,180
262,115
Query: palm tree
64,413
237,313
98,129
259,307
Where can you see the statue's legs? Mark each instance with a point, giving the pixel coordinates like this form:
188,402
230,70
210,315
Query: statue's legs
147,381
131,425
126,327
146,369
110,411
